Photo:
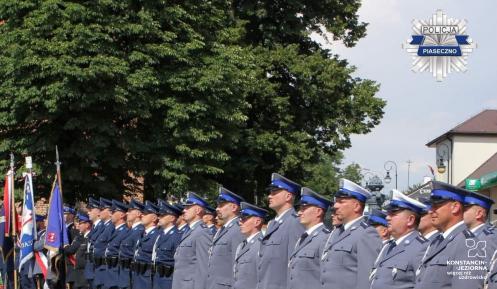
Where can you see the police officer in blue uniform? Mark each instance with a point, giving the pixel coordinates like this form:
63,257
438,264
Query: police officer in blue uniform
281,235
303,267
209,219
191,257
476,209
246,255
398,261
225,241
350,252
128,244
142,262
119,210
425,227
377,219
165,247
441,264
181,224
94,207
101,243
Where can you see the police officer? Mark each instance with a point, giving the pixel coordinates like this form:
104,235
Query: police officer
127,247
165,246
476,208
377,219
441,263
281,235
398,261
142,262
69,214
426,227
98,227
191,257
38,247
350,252
78,249
181,224
245,266
119,210
101,243
209,219
225,241
305,259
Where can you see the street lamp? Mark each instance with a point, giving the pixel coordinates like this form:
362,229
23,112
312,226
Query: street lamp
389,165
442,154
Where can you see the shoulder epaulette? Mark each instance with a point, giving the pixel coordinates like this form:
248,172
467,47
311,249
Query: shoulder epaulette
364,225
488,231
203,226
326,230
468,234
295,215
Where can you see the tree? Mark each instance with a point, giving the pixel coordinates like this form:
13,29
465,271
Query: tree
177,95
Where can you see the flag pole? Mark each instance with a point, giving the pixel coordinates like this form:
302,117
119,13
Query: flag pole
13,214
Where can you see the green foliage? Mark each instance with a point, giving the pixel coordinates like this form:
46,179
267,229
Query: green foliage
178,95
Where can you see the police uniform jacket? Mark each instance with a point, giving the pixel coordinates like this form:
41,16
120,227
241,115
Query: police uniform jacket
245,266
303,267
191,258
165,247
222,255
441,268
99,252
111,270
96,230
349,255
396,265
488,234
276,247
143,259
127,252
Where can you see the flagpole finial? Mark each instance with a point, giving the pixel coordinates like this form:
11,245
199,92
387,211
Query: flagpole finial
57,162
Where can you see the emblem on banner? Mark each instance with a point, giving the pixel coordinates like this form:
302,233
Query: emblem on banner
439,45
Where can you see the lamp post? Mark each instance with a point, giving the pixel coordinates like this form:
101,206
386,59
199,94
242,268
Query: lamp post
389,165
441,156
375,185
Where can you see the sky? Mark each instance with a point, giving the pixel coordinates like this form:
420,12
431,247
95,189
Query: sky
418,108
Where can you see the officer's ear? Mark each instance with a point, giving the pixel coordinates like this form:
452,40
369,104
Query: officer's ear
456,208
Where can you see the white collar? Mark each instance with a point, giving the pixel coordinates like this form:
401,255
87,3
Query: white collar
313,228
136,224
149,229
429,234
96,222
399,240
182,226
120,225
278,218
477,227
86,234
349,224
252,237
449,230
166,230
108,221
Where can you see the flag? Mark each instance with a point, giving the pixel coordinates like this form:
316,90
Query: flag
56,236
28,227
11,221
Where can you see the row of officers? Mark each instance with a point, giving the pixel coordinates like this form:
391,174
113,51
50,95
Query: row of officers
442,241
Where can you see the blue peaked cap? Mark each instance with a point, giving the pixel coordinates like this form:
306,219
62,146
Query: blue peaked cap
402,201
249,210
135,205
280,182
378,217
105,203
150,208
309,197
93,203
167,209
475,198
69,210
194,199
210,211
82,217
441,192
119,206
226,195
349,189
40,218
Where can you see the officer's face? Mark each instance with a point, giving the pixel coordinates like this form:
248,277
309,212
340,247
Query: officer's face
133,215
83,227
105,214
208,219
443,213
167,220
400,222
226,210
190,213
425,223
94,214
335,220
474,216
149,219
117,215
346,209
309,215
278,198
248,225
